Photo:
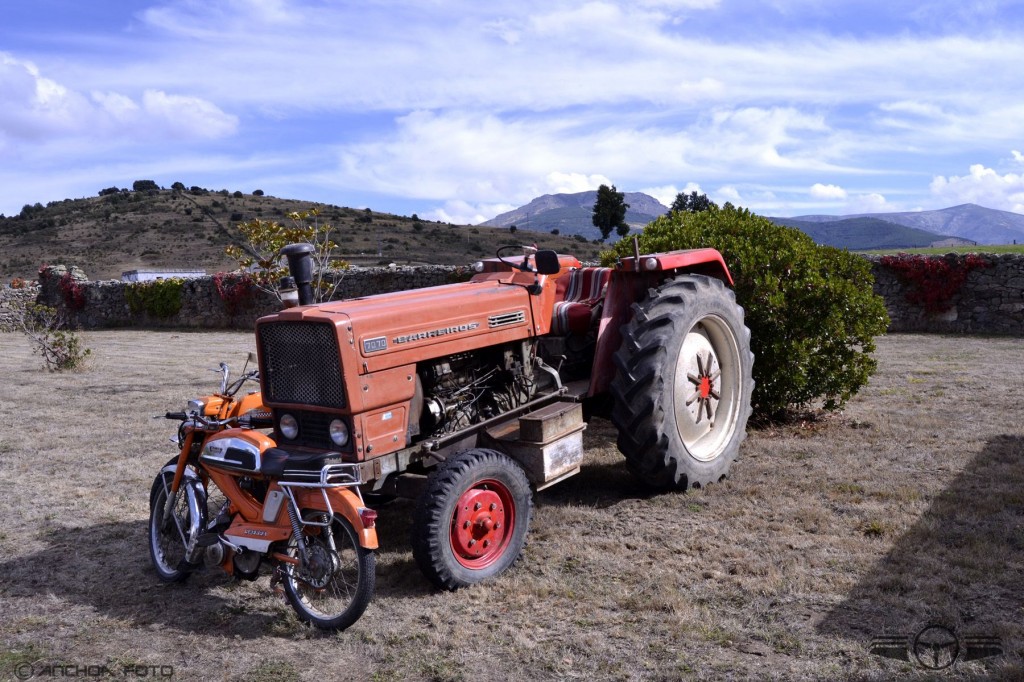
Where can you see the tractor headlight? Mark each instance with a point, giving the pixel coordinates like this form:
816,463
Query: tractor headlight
478,266
339,432
289,426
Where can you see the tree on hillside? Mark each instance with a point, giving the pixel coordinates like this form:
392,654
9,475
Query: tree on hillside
691,203
144,185
610,212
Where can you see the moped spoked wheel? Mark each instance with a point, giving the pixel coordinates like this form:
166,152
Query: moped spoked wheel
169,538
335,586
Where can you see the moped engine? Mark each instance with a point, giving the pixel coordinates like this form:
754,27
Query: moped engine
247,564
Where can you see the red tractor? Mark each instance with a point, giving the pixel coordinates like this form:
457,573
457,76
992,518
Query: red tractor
468,397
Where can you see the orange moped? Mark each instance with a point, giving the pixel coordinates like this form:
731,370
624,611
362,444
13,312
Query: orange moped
232,499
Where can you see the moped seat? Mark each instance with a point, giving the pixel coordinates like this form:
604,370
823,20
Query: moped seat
296,466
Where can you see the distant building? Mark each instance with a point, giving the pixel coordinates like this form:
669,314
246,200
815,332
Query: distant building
153,275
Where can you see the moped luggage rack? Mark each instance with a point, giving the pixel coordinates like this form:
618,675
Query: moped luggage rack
331,476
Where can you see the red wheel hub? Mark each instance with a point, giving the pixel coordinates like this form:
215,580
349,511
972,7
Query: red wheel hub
704,388
482,524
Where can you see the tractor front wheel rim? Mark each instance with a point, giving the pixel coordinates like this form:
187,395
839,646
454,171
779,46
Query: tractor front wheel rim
482,524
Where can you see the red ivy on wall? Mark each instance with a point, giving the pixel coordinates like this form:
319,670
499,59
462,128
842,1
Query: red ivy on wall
932,281
73,292
237,291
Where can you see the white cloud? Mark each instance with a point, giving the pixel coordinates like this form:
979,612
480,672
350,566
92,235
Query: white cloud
820,191
728,193
679,4
922,109
487,159
188,117
1017,156
36,107
666,194
871,202
119,107
571,183
464,213
982,186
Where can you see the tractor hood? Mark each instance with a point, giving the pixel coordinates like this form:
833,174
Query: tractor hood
402,328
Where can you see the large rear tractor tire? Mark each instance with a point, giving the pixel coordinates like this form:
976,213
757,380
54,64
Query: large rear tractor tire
471,521
683,384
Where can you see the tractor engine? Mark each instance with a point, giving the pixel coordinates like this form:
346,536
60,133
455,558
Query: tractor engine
467,388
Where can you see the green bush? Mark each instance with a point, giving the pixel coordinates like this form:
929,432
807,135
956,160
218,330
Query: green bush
811,309
160,298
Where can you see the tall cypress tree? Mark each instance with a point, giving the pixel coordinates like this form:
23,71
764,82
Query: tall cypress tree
610,212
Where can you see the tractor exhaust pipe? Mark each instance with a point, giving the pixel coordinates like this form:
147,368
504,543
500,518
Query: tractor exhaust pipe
300,265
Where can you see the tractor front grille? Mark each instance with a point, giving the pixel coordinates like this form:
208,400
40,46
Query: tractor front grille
301,364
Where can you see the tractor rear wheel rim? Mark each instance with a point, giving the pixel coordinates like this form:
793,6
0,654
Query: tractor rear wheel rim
707,390
482,524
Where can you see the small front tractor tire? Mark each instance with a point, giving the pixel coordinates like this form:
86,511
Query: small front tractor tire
471,520
683,384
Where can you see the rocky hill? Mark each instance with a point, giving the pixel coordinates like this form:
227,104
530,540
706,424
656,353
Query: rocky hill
571,213
190,228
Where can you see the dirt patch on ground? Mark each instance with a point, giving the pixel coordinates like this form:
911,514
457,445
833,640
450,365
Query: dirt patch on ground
904,511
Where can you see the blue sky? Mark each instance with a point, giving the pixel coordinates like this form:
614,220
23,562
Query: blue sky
460,110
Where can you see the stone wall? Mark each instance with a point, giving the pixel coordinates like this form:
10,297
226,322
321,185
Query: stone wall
105,304
991,300
10,298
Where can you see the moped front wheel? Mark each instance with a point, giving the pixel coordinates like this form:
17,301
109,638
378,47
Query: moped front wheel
335,585
170,536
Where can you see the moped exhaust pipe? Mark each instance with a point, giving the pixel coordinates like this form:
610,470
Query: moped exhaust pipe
300,265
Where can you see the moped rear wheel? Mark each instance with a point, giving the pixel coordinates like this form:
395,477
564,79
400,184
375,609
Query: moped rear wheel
335,586
169,537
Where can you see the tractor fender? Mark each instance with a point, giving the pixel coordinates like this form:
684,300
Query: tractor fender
696,261
630,282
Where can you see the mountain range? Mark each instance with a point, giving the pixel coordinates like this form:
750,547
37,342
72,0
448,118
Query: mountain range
964,224
966,221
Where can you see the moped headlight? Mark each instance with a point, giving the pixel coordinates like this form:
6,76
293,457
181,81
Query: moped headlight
196,406
289,426
339,432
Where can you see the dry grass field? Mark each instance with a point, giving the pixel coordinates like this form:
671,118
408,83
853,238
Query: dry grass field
906,510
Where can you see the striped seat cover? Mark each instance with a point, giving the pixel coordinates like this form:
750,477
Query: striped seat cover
577,293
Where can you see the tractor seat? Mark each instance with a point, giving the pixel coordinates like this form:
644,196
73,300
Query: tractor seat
578,295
